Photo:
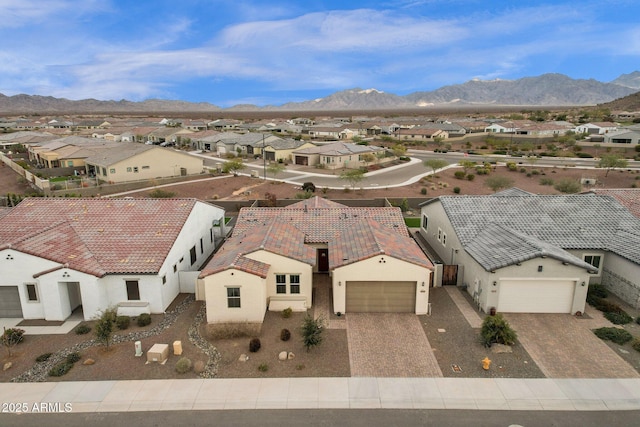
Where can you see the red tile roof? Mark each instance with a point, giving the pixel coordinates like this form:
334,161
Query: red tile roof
627,197
97,236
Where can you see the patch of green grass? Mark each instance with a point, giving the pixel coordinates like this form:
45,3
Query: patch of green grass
412,222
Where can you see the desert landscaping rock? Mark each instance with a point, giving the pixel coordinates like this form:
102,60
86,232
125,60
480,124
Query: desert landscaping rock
89,362
282,355
501,348
290,356
7,366
243,358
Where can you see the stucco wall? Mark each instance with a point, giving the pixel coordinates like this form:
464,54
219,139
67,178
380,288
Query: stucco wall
253,297
373,269
161,162
438,220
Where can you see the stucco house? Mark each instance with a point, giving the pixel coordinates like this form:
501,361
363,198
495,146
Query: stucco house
336,155
57,255
270,261
520,252
133,162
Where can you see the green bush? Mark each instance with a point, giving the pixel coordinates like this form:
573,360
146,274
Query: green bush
43,357
546,181
598,291
616,335
618,318
459,174
456,190
636,344
161,194
263,367
285,335
254,345
471,177
73,357
60,369
496,330
144,319
286,313
183,365
603,305
122,322
512,166
423,191
82,329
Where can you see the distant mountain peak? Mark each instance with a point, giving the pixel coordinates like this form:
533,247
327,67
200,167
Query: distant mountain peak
372,90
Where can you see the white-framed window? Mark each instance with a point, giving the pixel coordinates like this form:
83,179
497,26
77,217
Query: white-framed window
444,239
135,169
233,297
594,260
439,234
294,283
32,292
133,290
112,170
425,221
281,283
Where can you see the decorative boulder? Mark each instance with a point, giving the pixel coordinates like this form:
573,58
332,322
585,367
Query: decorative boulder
290,355
89,362
7,365
243,358
283,355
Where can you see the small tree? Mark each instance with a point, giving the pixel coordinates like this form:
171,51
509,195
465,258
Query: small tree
497,182
12,337
568,186
467,165
399,150
312,331
612,161
104,326
496,329
435,164
352,176
275,169
367,158
232,166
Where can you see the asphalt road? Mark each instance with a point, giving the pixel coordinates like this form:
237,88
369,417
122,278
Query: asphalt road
330,417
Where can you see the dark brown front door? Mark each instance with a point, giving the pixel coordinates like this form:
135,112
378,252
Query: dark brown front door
449,275
323,260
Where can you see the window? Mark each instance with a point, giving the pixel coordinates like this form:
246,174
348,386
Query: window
128,169
594,260
294,281
135,169
444,239
164,279
439,235
192,253
145,167
281,284
70,163
104,171
112,170
211,234
425,221
201,247
133,290
32,292
175,267
233,297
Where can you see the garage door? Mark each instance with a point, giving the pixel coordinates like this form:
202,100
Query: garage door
536,296
10,302
381,297
302,160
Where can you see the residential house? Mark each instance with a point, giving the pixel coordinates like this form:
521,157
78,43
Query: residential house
336,155
596,128
71,151
282,150
271,258
622,136
422,134
520,252
134,162
60,255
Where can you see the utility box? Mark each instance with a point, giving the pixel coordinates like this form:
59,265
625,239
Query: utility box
177,348
158,353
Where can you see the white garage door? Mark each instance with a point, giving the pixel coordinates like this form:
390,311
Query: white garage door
10,302
381,297
536,296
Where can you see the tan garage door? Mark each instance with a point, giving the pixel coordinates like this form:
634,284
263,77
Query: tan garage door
10,302
536,296
381,297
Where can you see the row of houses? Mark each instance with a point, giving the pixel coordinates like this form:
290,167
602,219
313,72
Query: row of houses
535,254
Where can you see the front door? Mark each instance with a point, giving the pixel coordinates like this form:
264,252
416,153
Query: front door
323,260
449,275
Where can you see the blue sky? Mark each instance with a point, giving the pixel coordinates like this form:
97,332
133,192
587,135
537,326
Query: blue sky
230,52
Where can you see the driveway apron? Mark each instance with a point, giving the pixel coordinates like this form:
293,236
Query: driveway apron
389,345
563,346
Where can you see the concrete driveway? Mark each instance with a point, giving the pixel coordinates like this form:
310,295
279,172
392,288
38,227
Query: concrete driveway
389,345
563,346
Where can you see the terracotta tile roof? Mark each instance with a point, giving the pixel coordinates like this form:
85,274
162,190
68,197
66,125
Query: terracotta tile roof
277,237
627,197
97,236
368,238
316,202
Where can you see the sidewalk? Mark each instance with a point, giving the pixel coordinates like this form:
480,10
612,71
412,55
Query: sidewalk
285,393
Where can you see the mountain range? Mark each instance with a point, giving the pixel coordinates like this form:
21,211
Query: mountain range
545,90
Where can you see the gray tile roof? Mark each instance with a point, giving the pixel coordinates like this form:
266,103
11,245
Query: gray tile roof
577,221
339,149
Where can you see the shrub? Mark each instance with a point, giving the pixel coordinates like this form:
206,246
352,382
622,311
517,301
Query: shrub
636,344
616,335
568,186
471,177
286,313
459,174
546,181
496,329
423,191
618,318
285,334
456,190
43,357
263,367
254,345
161,194
312,331
82,329
598,291
303,195
309,187
144,319
604,305
512,166
535,172
73,357
122,322
183,365
60,369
